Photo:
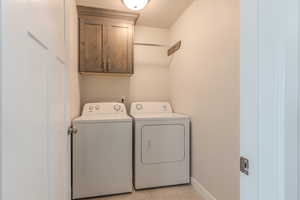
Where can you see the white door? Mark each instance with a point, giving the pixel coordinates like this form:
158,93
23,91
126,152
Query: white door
269,75
33,117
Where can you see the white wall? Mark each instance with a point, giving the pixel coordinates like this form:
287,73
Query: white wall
204,83
150,80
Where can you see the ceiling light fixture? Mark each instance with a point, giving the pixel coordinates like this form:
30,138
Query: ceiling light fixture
135,4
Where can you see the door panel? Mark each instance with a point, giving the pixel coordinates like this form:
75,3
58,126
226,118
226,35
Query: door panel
24,122
91,48
57,137
163,143
47,23
119,45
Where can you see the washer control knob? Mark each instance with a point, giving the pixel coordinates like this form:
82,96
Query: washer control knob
165,107
117,107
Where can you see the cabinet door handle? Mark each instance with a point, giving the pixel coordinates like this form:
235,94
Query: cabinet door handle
103,65
108,64
149,144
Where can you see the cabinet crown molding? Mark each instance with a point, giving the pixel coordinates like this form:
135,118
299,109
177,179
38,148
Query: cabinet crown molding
107,13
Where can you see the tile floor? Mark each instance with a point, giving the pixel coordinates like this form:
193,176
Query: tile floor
185,192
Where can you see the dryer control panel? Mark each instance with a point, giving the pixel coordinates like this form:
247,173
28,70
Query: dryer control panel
104,108
150,107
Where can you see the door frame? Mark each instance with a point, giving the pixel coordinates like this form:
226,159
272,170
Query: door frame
71,71
269,98
1,99
67,99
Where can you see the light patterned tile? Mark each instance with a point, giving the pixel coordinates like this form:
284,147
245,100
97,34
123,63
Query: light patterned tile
190,196
115,197
141,195
167,193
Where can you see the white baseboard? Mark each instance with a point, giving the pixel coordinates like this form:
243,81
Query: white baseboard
206,195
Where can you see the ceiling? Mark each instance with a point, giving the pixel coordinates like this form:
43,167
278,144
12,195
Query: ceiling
158,13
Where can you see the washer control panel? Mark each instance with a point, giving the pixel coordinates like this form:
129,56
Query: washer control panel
104,108
150,107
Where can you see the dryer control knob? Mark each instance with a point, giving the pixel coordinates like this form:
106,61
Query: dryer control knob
139,106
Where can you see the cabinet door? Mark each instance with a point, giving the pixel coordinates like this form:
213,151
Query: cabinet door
91,47
119,45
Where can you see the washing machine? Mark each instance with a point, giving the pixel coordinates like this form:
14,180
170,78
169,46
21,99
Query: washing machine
161,145
102,151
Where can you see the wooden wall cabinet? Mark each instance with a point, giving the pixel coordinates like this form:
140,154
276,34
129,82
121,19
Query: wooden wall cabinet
106,41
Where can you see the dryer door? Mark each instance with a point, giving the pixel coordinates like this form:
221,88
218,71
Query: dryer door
163,143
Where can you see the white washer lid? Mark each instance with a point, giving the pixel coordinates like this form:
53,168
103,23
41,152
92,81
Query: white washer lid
158,116
103,118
